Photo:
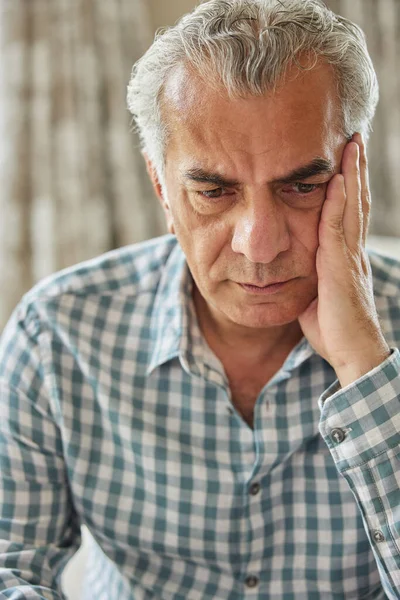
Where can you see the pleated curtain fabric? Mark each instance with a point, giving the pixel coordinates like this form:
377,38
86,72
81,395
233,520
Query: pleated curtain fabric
73,182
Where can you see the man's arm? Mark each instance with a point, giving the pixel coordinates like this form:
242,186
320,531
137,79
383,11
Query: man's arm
39,528
360,424
360,413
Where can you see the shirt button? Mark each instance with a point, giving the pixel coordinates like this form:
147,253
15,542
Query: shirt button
254,488
378,536
251,581
337,435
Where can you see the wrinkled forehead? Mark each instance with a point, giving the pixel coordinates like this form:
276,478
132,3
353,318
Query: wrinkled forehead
304,108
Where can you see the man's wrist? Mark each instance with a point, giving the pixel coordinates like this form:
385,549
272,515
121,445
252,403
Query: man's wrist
350,372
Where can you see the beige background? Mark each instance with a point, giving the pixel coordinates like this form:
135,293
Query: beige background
166,12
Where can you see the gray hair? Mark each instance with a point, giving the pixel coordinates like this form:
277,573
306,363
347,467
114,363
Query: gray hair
246,46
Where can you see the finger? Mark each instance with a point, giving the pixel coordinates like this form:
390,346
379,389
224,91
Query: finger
352,218
331,223
365,189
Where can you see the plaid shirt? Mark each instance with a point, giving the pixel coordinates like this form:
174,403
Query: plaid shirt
116,414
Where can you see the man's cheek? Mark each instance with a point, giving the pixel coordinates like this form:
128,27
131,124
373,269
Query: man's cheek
309,232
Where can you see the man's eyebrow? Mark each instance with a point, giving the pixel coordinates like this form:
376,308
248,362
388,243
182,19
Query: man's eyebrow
318,166
202,176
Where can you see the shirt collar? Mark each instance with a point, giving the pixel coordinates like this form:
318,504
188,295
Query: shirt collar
175,331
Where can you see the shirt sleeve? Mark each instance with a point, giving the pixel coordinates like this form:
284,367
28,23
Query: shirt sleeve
39,528
360,424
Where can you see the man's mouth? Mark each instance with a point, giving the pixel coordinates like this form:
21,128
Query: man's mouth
265,284
269,288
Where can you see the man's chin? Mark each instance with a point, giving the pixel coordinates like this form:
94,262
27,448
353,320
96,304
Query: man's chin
279,308
259,313
263,316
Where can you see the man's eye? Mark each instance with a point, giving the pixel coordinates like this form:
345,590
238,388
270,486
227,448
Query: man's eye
212,193
296,188
303,188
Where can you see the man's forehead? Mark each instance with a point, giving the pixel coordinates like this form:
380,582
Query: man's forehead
245,135
195,109
184,91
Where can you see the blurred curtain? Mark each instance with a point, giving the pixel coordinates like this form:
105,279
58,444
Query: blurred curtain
73,182
380,20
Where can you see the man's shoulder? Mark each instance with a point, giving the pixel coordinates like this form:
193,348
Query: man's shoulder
126,272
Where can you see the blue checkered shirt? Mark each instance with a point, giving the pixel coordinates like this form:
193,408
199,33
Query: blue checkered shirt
116,414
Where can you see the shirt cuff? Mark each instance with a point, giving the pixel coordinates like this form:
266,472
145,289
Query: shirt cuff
362,420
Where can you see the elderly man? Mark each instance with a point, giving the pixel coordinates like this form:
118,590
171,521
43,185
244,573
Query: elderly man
220,406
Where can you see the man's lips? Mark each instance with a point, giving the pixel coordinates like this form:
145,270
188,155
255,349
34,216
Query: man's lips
270,288
264,285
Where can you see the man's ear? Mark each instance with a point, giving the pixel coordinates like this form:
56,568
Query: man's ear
151,170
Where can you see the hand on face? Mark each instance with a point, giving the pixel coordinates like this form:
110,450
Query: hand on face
341,323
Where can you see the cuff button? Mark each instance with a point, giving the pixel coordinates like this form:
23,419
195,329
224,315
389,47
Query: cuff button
337,435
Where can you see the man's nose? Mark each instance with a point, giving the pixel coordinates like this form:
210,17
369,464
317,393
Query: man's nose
261,231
